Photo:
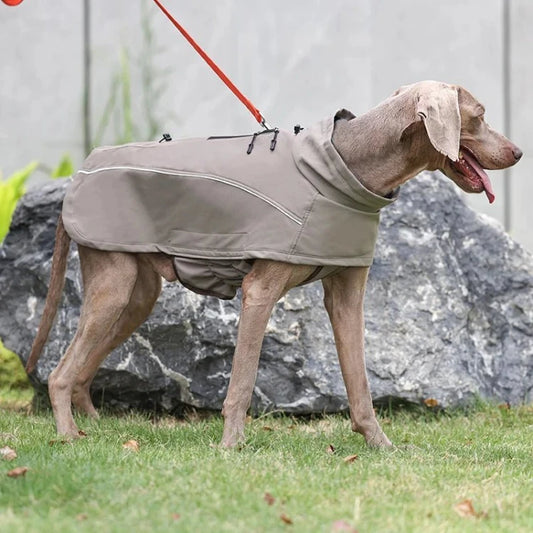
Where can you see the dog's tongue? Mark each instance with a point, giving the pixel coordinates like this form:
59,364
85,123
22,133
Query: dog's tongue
472,161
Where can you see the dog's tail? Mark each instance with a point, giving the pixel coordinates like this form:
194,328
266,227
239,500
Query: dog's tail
55,289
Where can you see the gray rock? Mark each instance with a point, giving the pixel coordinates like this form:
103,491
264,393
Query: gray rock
449,316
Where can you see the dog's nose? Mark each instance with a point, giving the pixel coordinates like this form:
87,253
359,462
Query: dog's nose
517,153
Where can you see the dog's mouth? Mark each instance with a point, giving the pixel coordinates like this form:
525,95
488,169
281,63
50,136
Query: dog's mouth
475,179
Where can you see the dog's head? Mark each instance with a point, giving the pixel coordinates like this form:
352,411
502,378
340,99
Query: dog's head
455,125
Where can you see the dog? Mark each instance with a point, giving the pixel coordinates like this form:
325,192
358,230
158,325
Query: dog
424,126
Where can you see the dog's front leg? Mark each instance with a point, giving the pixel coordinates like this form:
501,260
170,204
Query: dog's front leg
261,289
344,297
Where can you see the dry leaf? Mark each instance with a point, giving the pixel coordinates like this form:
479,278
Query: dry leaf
132,445
466,509
285,519
269,498
350,458
82,433
175,516
8,454
342,525
81,517
17,472
505,405
267,428
330,449
431,402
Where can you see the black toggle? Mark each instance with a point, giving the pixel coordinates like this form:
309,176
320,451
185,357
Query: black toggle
166,137
251,145
274,140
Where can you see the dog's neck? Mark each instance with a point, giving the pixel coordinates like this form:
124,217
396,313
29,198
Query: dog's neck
386,146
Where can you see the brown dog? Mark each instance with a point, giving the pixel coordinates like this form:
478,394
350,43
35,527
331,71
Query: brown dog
424,126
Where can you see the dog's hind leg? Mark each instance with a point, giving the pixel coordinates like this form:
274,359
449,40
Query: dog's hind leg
109,279
143,297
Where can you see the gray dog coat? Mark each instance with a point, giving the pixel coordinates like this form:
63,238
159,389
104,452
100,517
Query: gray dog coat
216,204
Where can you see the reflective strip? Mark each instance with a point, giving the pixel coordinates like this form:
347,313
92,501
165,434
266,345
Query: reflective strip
211,177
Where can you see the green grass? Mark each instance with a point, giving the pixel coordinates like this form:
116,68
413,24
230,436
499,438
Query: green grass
178,480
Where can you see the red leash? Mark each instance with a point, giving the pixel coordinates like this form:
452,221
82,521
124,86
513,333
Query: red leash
255,112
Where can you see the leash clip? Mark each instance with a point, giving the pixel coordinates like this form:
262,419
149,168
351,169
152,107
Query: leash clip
166,137
265,124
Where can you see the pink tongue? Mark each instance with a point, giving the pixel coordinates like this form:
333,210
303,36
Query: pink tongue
482,174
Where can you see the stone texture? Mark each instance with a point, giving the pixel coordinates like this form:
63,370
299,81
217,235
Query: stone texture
449,315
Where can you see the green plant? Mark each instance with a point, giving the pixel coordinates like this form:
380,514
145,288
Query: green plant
64,168
118,105
12,374
12,189
10,192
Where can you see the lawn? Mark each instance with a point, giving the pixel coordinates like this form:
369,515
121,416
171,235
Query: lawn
449,472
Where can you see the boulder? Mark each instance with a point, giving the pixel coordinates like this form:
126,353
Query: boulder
449,317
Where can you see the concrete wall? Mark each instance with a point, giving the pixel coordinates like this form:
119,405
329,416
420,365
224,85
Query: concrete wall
297,61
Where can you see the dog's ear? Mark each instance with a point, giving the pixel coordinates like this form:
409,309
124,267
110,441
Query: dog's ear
439,110
343,114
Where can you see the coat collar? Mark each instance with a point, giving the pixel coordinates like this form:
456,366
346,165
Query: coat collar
318,160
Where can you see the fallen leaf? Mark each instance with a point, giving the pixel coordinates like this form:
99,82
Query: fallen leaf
431,402
269,498
330,449
132,445
285,519
342,525
82,433
81,517
350,458
8,454
466,509
17,472
505,405
267,428
175,516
